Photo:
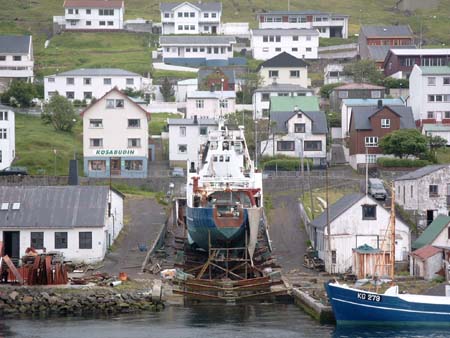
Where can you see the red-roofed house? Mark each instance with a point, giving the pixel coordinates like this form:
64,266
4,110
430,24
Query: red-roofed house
354,91
426,262
91,15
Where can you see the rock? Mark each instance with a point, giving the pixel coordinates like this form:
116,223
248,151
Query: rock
124,305
13,295
27,300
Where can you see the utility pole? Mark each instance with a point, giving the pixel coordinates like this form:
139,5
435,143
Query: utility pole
330,256
367,171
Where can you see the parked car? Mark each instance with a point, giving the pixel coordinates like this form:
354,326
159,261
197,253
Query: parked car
178,171
376,189
14,171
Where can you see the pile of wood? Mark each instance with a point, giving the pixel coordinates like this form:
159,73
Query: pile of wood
44,269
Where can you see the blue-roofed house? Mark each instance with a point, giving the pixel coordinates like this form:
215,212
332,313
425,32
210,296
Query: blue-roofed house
425,192
354,221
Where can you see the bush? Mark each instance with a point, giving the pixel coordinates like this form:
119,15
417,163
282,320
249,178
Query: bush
292,164
401,162
326,90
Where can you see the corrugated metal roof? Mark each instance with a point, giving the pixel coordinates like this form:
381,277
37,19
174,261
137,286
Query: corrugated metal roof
187,122
318,118
422,172
285,32
435,127
3,107
418,52
378,53
203,94
362,115
305,12
283,60
97,72
283,87
93,4
15,44
187,40
54,206
287,103
358,86
372,102
431,232
426,252
385,31
203,6
437,70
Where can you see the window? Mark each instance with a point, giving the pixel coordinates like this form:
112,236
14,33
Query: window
135,165
308,49
188,50
278,49
102,23
180,15
167,15
2,57
134,123
369,212
182,131
182,148
199,104
96,142
432,81
282,94
376,94
295,49
192,28
273,73
88,23
3,135
343,94
294,73
70,81
206,15
3,116
17,58
37,240
277,38
265,97
186,14
433,190
106,12
194,50
448,233
265,38
206,28
213,15
370,158
134,143
60,240
313,145
186,27
285,145
107,81
371,141
95,123
70,11
70,95
265,49
447,114
87,95
446,80
87,81
271,38
295,38
110,23
223,103
333,257
97,165
85,240
120,103
180,27
430,115
299,128
88,11
109,103
192,14
130,81
308,38
385,123
412,191
203,130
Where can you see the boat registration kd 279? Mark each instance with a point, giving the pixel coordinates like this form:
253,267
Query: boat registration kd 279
368,296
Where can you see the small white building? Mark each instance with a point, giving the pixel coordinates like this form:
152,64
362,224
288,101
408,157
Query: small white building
301,43
81,222
329,25
185,88
88,83
185,138
91,15
7,136
208,47
206,104
429,89
334,73
426,262
426,192
16,59
261,96
355,220
284,68
190,18
115,137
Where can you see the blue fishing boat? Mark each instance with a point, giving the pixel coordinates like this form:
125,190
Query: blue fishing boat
223,191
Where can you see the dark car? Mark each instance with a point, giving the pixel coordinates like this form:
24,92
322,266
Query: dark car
14,171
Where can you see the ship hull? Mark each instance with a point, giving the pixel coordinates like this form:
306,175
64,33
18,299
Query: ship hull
352,306
202,228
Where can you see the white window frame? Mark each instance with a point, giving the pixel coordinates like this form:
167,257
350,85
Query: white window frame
385,123
371,141
200,104
183,131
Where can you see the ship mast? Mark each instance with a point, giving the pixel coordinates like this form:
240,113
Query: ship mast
392,226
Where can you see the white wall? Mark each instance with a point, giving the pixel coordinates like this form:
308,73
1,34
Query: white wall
8,145
235,29
81,20
260,105
208,51
18,69
210,108
284,76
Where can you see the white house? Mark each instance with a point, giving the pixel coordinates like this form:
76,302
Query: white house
355,220
88,83
301,43
262,95
190,18
91,15
210,104
298,134
81,222
328,24
115,137
185,138
429,89
284,68
184,88
425,192
7,137
206,47
426,262
16,59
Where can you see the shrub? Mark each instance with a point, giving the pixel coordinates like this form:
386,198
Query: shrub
285,164
326,90
401,162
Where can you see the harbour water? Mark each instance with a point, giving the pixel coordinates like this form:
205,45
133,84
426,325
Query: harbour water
260,321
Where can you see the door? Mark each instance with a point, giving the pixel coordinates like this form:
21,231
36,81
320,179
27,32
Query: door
448,195
430,216
11,242
181,52
150,157
115,166
438,116
214,29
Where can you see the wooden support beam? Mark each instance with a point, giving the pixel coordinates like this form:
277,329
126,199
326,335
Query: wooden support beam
13,269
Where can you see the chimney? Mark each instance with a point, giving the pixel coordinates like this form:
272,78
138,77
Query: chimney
73,172
195,119
295,109
380,104
192,169
274,81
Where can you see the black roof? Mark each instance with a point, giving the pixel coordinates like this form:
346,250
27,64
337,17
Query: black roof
318,119
283,60
17,44
362,116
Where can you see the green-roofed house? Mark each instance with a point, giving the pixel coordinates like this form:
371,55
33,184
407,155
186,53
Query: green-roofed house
289,103
436,234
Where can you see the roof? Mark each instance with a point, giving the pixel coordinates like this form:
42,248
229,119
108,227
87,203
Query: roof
336,210
436,70
385,31
285,32
188,82
426,252
372,102
203,6
15,44
421,172
288,103
205,72
429,127
431,232
54,206
283,60
93,4
318,118
362,115
283,87
97,72
187,40
203,94
350,86
425,51
305,12
379,53
3,107
185,122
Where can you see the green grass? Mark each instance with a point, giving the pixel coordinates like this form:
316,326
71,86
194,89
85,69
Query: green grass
159,74
443,155
35,144
158,122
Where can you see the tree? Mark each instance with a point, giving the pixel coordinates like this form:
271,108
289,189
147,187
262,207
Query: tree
19,94
60,113
167,91
365,71
404,143
133,93
435,142
326,90
249,83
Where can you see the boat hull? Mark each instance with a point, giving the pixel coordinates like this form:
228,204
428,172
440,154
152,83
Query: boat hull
352,306
201,226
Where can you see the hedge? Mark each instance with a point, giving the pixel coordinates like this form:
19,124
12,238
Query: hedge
286,164
401,162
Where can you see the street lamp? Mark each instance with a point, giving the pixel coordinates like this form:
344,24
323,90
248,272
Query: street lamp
74,142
